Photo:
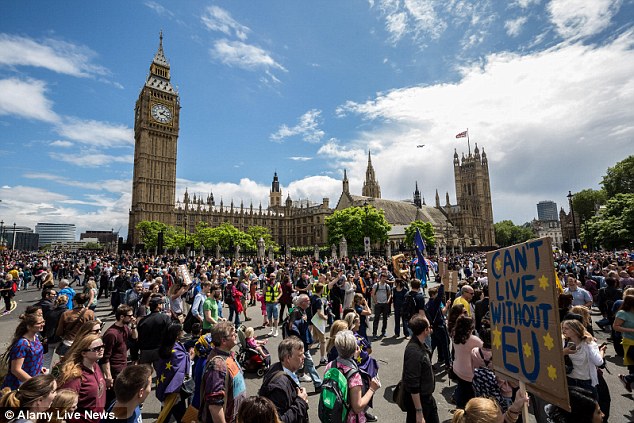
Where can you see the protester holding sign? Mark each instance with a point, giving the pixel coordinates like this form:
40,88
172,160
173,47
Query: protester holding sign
525,326
486,410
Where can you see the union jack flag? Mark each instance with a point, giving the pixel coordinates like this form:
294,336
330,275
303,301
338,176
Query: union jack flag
462,135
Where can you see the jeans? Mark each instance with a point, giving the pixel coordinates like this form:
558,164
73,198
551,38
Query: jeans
232,311
309,367
398,320
440,340
380,309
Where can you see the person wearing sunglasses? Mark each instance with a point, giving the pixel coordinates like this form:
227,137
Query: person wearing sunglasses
81,373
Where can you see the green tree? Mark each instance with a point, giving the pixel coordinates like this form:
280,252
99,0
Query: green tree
257,232
229,235
614,226
173,237
149,230
620,178
587,202
426,231
354,223
507,233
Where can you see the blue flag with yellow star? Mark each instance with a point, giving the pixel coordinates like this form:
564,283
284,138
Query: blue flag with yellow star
170,373
419,245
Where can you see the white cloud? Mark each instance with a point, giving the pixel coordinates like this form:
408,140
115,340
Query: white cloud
307,128
416,18
26,98
300,158
528,111
514,26
334,150
159,9
526,3
242,55
29,205
218,19
580,18
96,133
55,55
61,143
92,158
110,185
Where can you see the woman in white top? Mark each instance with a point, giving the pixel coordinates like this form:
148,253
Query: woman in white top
584,354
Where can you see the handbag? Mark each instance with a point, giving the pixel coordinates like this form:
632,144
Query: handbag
189,322
188,386
398,396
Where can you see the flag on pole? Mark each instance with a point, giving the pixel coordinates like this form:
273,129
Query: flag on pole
419,246
462,135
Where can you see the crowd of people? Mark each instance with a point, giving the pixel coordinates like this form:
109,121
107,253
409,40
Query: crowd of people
177,323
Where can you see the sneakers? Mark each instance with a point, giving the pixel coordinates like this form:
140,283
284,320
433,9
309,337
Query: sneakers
271,332
628,385
369,417
305,378
323,362
375,338
4,313
275,334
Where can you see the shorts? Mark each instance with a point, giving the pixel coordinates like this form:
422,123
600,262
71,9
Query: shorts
272,311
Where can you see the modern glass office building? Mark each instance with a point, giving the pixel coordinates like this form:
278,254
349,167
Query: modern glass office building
55,232
547,210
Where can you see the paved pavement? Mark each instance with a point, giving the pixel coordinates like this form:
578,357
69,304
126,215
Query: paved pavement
388,352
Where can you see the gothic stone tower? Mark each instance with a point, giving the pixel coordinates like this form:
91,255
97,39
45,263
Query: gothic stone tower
275,195
473,192
371,187
156,126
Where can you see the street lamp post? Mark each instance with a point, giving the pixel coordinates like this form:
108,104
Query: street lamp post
13,243
365,207
574,225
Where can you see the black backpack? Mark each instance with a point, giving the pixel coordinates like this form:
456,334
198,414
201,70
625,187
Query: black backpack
409,305
228,294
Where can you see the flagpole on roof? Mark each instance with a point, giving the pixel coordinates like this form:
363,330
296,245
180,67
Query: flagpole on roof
468,143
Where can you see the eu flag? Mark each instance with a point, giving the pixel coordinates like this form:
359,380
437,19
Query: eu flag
419,246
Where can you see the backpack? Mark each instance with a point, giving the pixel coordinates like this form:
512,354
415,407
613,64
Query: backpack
4,365
284,325
228,294
191,293
409,305
334,403
485,384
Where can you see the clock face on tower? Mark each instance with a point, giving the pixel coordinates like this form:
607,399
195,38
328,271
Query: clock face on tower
161,113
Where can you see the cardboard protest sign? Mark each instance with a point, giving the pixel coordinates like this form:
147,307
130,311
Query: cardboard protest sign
442,272
525,330
452,280
187,279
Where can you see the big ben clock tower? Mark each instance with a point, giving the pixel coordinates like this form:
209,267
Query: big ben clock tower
155,140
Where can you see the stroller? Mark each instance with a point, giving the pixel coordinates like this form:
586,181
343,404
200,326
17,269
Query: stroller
249,358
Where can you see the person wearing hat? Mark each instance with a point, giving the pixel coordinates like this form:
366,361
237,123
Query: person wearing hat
155,323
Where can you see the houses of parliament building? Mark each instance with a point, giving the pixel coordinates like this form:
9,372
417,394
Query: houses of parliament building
466,224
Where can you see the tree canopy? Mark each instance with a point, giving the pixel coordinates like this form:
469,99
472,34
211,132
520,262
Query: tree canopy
426,231
587,202
354,223
613,227
225,235
620,178
507,233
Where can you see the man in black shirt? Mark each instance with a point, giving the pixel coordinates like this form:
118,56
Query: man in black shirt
150,328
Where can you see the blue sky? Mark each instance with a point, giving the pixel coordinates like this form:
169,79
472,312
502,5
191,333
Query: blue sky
305,89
